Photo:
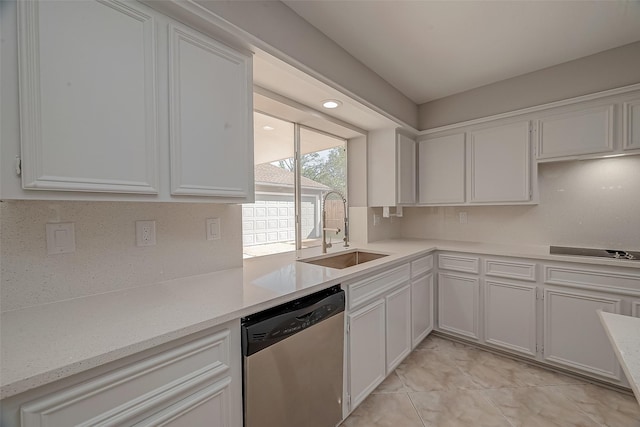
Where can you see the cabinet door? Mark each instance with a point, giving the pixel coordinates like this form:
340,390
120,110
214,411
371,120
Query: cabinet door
500,164
87,97
510,316
573,335
441,170
406,170
211,135
398,326
421,308
631,130
134,392
208,407
458,304
367,366
585,131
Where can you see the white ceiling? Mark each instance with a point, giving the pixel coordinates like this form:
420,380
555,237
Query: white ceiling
432,49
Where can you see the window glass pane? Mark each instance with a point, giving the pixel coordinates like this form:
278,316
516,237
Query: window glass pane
268,225
323,169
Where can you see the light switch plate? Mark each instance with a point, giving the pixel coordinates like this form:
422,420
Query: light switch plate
61,238
213,228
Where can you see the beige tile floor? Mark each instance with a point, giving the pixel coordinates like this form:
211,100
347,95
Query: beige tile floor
444,383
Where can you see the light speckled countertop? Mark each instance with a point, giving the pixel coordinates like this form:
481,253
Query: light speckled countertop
45,343
624,334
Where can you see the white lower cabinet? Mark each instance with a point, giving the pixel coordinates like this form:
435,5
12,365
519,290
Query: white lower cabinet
573,335
552,318
421,308
459,304
367,364
398,326
378,330
510,316
196,383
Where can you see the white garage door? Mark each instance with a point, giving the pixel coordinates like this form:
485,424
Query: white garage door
272,221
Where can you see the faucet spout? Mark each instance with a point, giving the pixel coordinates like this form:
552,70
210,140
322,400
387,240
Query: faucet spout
326,245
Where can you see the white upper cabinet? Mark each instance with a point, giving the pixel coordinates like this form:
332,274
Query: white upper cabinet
441,170
578,132
210,88
631,128
88,97
120,102
500,164
406,169
391,171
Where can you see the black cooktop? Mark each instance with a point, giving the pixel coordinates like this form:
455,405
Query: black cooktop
602,253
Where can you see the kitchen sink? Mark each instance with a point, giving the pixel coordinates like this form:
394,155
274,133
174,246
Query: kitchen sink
344,260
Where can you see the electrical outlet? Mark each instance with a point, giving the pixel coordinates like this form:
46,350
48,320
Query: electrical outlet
145,233
213,228
376,220
463,218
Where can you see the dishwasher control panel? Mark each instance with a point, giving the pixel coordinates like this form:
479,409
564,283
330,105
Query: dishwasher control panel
265,328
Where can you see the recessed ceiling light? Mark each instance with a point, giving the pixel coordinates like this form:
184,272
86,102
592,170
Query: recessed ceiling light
331,103
267,127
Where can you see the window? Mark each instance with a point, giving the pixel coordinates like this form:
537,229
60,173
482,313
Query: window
269,225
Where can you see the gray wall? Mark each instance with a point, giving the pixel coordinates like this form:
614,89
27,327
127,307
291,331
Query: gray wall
277,26
605,70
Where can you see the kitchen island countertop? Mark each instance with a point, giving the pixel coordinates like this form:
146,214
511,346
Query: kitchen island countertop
624,334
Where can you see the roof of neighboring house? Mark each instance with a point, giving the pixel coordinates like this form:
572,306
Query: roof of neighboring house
268,174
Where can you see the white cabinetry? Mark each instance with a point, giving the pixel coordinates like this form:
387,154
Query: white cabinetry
441,170
631,125
398,326
500,164
88,96
459,304
194,383
422,303
573,335
578,132
487,165
210,124
378,330
367,363
391,171
119,102
552,318
510,315
510,307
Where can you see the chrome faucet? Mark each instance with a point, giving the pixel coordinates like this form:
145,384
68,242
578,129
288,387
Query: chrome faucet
326,245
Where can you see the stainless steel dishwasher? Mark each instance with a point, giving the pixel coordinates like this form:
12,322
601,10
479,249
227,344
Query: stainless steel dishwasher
292,364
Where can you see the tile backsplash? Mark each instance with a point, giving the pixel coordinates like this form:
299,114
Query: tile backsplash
592,203
106,256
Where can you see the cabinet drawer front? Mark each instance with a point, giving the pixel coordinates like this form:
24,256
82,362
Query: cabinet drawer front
208,406
619,283
124,395
510,269
421,265
371,287
458,263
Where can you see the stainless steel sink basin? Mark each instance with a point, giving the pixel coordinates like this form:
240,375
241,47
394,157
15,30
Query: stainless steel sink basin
344,260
